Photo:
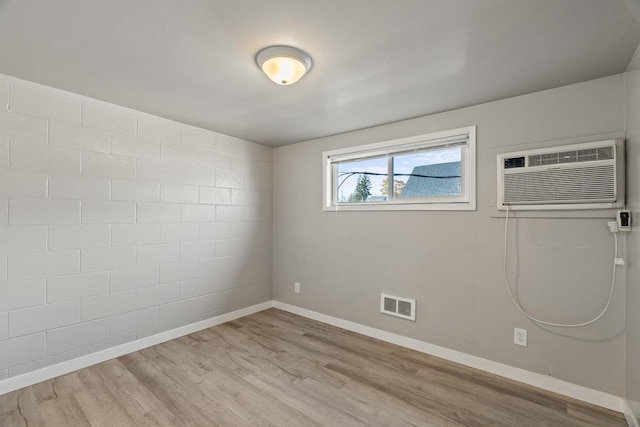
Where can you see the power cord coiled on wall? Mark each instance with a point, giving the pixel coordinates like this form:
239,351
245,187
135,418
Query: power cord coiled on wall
562,325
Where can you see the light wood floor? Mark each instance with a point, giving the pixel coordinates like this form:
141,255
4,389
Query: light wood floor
277,369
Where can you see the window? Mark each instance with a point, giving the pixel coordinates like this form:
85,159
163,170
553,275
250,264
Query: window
426,172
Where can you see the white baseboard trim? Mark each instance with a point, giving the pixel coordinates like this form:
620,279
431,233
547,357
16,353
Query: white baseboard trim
538,380
30,378
632,421
545,382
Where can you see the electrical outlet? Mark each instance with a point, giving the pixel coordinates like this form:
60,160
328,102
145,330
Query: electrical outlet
296,287
520,336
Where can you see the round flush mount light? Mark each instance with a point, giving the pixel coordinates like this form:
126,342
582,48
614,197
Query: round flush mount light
285,65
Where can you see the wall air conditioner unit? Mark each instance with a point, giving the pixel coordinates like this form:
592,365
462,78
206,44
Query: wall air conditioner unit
578,176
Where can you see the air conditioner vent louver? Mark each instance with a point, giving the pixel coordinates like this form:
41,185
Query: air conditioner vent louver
561,185
580,176
586,155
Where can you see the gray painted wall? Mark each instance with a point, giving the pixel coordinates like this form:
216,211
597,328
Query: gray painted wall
633,240
451,262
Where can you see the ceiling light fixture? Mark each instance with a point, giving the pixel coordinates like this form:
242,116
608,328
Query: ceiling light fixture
285,65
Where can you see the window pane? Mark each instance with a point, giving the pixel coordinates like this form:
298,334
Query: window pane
428,173
361,181
423,172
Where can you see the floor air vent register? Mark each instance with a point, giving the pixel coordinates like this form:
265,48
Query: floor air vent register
397,306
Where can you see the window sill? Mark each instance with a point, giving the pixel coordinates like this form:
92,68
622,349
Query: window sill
403,207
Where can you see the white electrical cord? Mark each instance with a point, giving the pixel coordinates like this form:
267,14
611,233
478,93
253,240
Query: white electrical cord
562,325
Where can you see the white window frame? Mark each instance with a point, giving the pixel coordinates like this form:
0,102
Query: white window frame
465,137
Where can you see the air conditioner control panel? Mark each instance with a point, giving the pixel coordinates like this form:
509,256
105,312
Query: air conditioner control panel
514,162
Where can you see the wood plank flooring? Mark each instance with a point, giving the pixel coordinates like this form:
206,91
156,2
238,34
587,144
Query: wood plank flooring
277,369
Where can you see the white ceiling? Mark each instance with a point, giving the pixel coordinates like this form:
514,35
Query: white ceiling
375,61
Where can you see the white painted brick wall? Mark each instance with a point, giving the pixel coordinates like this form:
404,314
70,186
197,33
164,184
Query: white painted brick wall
43,318
4,154
20,183
218,230
204,305
197,213
79,137
238,147
215,160
4,326
23,239
133,146
173,153
44,158
157,295
134,234
100,115
182,154
41,101
79,187
137,191
133,321
189,251
3,268
237,213
255,182
216,266
76,336
227,179
42,264
249,229
158,212
22,129
105,259
99,164
63,237
44,211
245,197
178,271
108,212
107,305
77,286
207,249
235,247
158,128
198,138
4,211
215,196
196,287
175,173
22,294
20,350
132,278
178,193
185,309
113,223
158,254
4,93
